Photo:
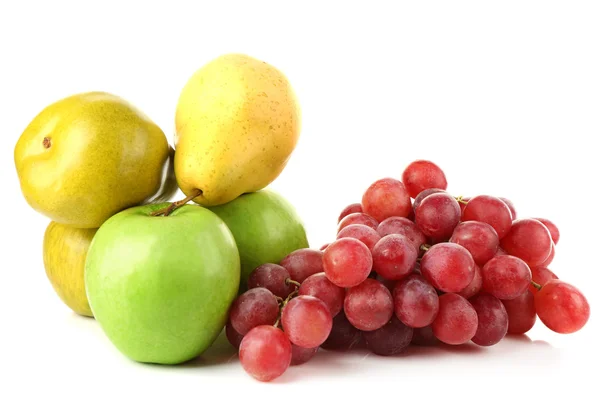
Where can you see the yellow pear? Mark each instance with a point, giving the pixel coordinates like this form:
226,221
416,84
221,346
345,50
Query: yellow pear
88,156
237,123
65,251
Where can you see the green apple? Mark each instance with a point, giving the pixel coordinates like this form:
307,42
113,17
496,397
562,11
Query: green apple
266,228
161,286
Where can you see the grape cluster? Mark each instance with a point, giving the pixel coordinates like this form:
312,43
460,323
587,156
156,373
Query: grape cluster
434,269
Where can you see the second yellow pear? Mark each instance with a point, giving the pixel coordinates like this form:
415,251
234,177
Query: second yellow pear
237,124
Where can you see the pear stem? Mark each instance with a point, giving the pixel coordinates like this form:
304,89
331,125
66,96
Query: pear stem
176,204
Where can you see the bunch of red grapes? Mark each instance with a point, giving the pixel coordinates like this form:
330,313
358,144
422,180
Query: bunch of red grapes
436,269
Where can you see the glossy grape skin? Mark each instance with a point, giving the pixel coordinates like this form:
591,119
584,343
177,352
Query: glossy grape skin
529,240
358,219
303,263
424,194
421,175
369,305
272,277
437,216
456,322
365,234
350,209
394,257
392,338
521,313
479,238
344,336
506,277
416,302
548,260
562,307
449,267
386,198
301,355
424,337
319,286
306,321
541,276
490,210
347,262
552,228
511,207
232,335
492,319
252,308
265,353
475,286
402,226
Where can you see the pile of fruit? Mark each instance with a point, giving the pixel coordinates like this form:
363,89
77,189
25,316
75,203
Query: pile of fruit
410,263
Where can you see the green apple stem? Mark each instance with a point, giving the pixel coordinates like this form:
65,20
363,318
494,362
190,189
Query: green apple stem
175,205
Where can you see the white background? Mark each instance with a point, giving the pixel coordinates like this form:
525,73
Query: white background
505,96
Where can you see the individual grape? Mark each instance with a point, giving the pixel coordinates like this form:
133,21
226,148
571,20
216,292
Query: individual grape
521,313
475,286
347,262
358,219
233,336
369,305
350,209
273,277
456,322
319,286
415,301
265,353
424,337
541,276
424,194
548,260
490,210
301,355
511,207
255,307
344,336
402,226
394,257
463,203
562,307
437,216
479,238
506,277
554,232
306,321
449,267
365,234
421,175
529,240
386,198
303,263
492,319
392,338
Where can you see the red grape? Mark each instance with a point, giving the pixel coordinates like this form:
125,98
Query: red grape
424,337
392,338
541,276
421,175
529,240
358,219
449,267
365,234
303,263
562,307
511,207
386,198
479,238
490,210
324,246
437,216
272,277
415,301
265,353
402,226
255,307
369,305
233,336
521,313
350,209
492,319
347,262
424,194
506,277
554,232
456,322
548,260
300,355
319,286
501,252
475,286
463,203
306,321
344,336
394,257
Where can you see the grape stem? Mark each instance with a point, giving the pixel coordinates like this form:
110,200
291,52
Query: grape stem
425,247
536,285
293,282
176,204
276,324
460,200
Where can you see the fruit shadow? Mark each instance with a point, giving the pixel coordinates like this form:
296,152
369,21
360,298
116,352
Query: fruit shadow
219,353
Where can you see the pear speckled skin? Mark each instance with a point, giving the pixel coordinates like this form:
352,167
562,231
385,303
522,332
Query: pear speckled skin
237,123
88,156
